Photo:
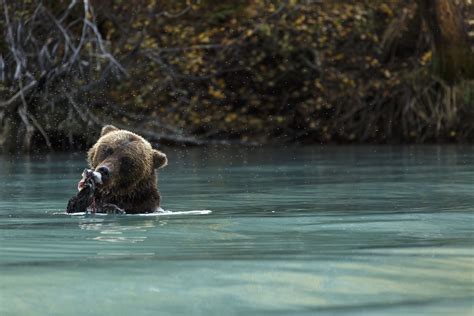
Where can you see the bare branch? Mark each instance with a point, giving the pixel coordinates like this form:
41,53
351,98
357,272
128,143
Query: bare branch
21,93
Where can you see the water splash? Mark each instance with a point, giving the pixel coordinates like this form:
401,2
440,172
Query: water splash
160,212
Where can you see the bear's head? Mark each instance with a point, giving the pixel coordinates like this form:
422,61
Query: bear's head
124,159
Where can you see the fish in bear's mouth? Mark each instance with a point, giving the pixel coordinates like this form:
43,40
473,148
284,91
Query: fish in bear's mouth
85,200
90,178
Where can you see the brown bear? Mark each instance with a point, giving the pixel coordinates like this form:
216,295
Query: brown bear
127,163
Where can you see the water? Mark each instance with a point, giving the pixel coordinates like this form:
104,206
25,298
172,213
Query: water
326,231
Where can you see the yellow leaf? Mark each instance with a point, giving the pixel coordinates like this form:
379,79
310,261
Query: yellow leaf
386,9
426,58
230,117
300,20
216,93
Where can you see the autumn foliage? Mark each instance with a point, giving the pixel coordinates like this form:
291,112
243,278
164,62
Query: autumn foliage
271,71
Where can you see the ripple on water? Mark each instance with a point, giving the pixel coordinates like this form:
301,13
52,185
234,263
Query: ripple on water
335,231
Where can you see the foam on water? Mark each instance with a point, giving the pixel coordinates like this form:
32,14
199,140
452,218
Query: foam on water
159,212
166,213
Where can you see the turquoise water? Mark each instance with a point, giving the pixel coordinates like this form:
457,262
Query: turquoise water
314,231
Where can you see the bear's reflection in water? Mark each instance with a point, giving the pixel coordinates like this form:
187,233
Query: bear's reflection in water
120,230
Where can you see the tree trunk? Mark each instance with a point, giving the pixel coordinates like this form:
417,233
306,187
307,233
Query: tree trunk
448,22
8,133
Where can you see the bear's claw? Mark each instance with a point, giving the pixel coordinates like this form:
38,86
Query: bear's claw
112,209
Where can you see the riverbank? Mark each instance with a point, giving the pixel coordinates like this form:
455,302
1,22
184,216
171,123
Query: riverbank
315,72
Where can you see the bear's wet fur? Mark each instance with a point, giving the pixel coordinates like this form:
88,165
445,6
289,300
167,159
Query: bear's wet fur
127,163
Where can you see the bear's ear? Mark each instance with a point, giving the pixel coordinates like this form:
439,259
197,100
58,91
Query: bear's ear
107,129
159,159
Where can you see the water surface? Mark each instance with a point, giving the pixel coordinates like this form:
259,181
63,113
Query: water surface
326,231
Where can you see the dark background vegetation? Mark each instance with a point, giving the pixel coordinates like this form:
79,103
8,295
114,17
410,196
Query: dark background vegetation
244,72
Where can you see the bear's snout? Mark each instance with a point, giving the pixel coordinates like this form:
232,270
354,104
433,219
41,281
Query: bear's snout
105,172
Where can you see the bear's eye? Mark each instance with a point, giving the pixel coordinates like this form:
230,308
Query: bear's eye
107,151
126,163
